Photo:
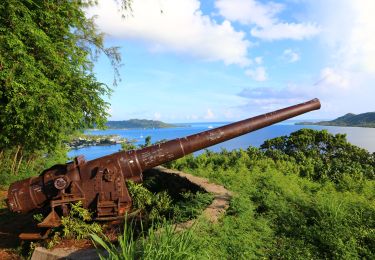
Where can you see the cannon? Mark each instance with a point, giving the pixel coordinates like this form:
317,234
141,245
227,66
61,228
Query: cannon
100,184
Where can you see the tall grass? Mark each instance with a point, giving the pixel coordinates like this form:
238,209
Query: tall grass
158,242
277,213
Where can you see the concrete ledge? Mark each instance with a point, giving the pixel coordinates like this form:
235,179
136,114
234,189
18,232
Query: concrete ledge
41,253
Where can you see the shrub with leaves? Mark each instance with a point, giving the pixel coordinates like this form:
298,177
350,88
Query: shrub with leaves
157,205
159,242
76,224
161,205
47,84
141,196
126,146
322,155
191,205
278,212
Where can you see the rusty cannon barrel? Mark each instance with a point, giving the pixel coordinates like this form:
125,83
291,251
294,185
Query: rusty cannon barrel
101,183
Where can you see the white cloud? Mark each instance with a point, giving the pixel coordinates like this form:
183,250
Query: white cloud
345,82
192,117
258,74
157,116
348,32
209,114
283,31
291,91
249,11
332,84
348,37
263,18
263,99
291,56
180,27
334,78
340,92
258,60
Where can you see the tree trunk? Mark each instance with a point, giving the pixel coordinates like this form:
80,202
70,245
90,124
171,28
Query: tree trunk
19,164
14,162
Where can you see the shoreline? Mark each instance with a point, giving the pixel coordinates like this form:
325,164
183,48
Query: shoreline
315,124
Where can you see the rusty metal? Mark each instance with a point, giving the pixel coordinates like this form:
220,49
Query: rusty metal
101,183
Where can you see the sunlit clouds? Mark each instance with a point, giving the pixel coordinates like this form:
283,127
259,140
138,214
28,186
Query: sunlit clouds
191,60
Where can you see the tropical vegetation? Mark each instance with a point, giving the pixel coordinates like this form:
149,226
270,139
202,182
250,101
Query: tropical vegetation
309,195
47,85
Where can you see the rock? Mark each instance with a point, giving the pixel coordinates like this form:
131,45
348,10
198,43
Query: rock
41,253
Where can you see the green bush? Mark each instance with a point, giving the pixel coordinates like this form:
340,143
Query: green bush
322,155
291,200
159,242
17,165
190,206
156,206
76,224
161,206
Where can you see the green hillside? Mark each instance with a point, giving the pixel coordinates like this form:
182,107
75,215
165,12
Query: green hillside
309,195
360,120
137,123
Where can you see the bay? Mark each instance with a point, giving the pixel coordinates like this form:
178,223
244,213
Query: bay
362,137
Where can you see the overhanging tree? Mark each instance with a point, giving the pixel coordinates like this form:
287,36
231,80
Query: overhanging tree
47,84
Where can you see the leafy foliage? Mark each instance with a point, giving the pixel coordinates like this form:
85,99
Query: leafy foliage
141,196
159,242
38,217
322,155
157,206
126,146
147,142
191,205
17,166
47,84
279,211
161,206
76,225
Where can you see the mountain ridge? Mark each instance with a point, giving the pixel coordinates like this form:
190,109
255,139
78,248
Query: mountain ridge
360,120
138,123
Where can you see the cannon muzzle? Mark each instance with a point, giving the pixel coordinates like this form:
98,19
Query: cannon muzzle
161,153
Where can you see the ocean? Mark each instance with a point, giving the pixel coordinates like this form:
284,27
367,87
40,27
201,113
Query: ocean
362,137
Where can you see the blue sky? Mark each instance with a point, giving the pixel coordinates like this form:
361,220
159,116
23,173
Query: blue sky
225,60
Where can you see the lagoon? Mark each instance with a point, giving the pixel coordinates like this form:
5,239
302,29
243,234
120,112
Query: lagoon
362,137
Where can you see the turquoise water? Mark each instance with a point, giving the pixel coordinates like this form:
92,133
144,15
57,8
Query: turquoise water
362,137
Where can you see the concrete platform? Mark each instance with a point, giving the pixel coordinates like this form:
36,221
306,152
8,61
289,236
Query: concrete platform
41,253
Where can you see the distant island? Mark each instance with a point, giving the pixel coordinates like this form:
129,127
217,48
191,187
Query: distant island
360,120
83,140
138,123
